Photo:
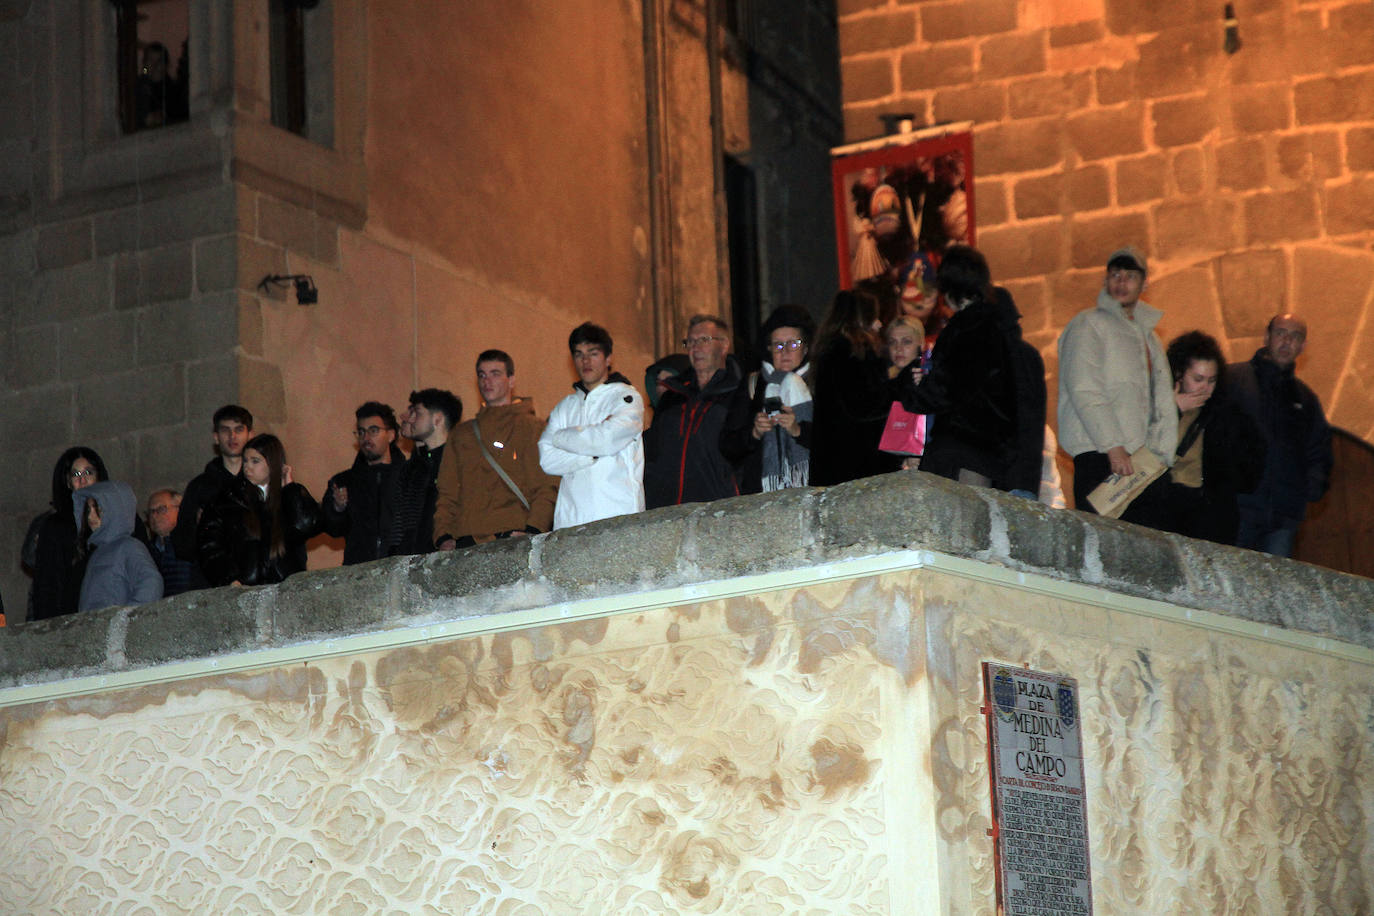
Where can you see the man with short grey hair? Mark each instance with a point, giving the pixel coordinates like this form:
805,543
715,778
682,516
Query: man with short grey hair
164,506
1297,468
702,426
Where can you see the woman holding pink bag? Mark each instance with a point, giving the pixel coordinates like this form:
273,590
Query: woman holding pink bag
905,433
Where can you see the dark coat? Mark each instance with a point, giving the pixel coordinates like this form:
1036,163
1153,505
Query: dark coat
365,523
1233,459
58,566
984,396
697,438
417,493
1297,468
50,553
234,541
203,490
853,397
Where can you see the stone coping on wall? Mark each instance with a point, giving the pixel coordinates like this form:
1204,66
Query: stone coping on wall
683,546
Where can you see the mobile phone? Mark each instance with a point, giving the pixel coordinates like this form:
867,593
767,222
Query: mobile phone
772,406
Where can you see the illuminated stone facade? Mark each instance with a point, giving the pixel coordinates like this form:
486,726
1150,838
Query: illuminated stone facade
779,728
492,176
1097,123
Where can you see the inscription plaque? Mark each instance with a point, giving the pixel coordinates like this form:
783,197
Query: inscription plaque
1039,809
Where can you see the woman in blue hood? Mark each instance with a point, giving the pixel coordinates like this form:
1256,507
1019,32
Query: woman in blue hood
119,569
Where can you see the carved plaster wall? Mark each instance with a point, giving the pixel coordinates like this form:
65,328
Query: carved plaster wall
801,751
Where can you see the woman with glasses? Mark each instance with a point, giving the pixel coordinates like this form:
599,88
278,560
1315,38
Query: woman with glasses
254,533
780,423
51,546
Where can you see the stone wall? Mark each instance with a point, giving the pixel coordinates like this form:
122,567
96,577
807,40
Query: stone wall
1243,177
485,183
119,311
671,713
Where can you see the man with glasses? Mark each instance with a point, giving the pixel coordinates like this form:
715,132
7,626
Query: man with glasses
163,508
1297,467
702,427
360,503
231,428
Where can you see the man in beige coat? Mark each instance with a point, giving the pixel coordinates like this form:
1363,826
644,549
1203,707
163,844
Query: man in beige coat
490,483
1116,393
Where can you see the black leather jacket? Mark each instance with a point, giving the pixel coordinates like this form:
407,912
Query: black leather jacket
234,541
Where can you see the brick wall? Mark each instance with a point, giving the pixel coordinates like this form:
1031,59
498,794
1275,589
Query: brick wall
1243,177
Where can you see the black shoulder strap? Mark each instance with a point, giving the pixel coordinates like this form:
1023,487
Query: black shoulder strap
1193,432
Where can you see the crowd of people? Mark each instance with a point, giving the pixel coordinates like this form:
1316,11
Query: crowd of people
879,386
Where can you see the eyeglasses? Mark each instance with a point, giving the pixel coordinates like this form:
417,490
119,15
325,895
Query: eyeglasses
81,475
159,510
690,342
785,345
368,432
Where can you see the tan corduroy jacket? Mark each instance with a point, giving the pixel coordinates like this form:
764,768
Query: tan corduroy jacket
473,499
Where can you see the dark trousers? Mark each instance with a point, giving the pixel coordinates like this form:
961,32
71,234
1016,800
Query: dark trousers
1089,470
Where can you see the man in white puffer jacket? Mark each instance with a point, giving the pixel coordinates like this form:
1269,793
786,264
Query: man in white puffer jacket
1116,393
594,437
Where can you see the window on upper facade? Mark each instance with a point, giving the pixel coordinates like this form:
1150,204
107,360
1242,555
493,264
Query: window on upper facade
154,73
300,34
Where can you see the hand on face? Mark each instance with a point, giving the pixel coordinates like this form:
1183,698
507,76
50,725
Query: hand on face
1196,386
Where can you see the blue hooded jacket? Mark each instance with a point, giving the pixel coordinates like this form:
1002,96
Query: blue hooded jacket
120,570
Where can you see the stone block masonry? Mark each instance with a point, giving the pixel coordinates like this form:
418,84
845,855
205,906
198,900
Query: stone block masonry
647,714
688,545
1099,126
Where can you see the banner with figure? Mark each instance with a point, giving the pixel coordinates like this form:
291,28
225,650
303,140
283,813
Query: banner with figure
900,201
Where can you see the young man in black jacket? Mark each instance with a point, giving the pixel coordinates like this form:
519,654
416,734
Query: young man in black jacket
360,503
231,428
432,415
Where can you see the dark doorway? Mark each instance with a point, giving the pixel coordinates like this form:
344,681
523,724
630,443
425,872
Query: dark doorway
1339,530
742,222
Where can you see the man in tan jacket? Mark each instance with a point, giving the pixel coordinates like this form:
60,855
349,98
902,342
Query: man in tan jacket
490,483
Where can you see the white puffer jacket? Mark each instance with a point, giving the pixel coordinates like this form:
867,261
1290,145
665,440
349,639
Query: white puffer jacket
594,441
1109,393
